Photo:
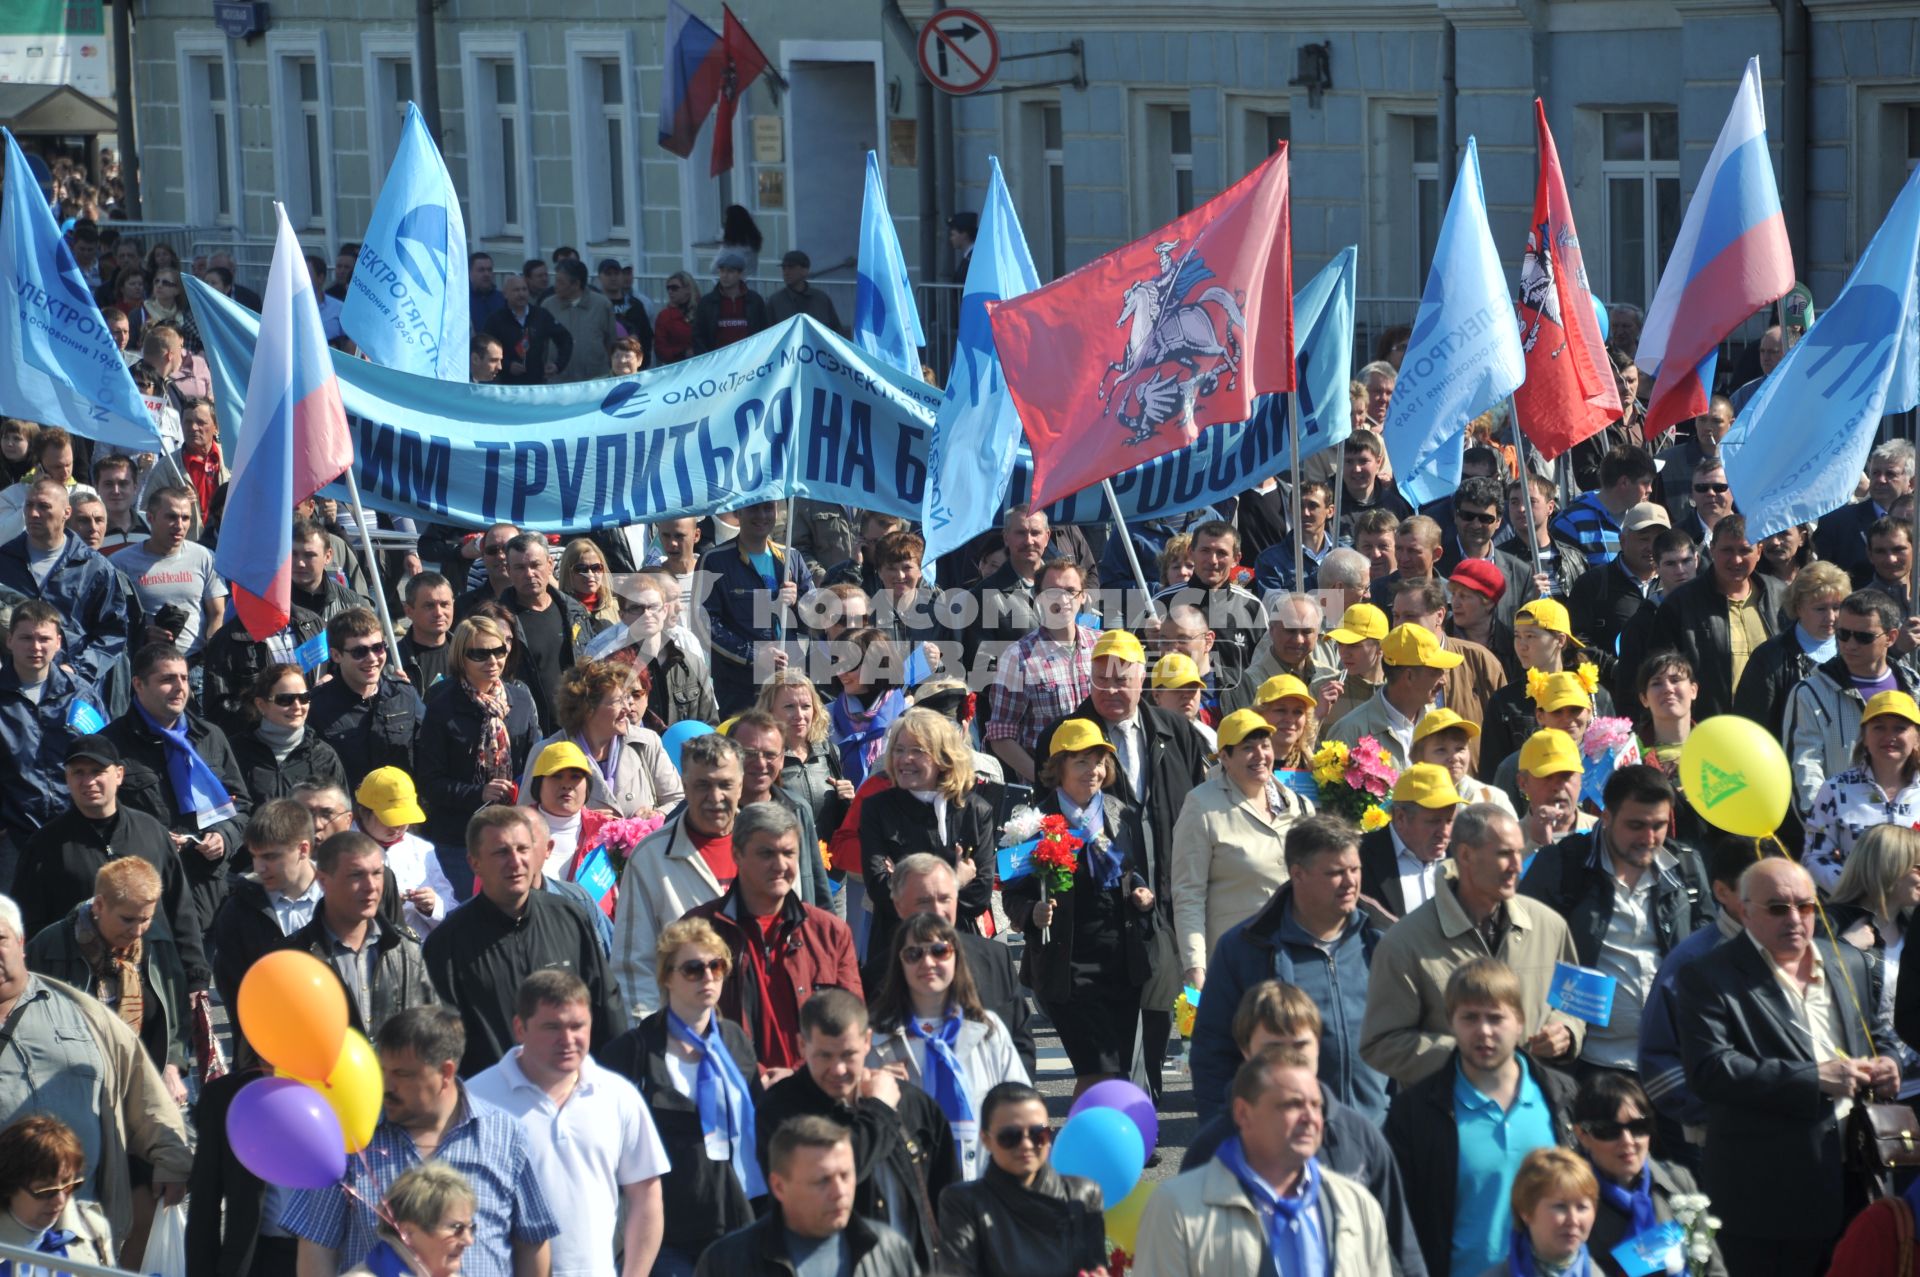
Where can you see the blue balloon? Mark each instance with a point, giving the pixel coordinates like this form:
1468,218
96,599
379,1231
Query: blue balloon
679,734
1600,314
1103,1145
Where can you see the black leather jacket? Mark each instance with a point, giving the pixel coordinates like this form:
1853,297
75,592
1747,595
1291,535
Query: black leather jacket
996,1226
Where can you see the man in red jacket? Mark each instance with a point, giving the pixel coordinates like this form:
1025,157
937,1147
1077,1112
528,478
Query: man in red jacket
784,950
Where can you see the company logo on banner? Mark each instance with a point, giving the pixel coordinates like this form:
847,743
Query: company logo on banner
792,411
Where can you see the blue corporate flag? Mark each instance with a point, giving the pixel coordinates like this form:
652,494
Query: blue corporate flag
407,303
1464,355
1799,445
1322,358
885,322
971,453
62,367
1582,992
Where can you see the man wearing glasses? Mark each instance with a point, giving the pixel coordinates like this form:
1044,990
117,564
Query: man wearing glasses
1775,1045
365,712
1824,710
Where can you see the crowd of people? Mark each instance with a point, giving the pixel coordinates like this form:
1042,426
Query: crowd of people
661,865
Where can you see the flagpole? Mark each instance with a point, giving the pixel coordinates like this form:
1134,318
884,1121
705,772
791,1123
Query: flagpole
1293,459
373,570
1526,484
1126,543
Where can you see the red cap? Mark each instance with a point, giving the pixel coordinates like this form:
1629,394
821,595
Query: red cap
1480,575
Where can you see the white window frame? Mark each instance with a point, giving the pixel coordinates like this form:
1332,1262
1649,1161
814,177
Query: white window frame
478,51
380,51
1391,253
1420,173
1650,173
1241,110
199,182
318,215
592,196
1149,164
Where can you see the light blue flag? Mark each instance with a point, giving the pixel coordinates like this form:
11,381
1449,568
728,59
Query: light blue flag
58,363
1464,355
885,322
407,302
971,453
1322,357
1797,448
1582,992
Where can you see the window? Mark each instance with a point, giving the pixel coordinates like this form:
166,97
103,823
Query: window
505,130
1425,194
604,126
1640,163
1166,163
390,86
207,138
302,129
500,183
1258,126
1054,157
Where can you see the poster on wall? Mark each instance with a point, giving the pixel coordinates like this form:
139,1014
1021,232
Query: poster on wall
55,42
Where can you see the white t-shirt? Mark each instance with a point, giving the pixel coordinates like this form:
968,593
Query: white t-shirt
185,578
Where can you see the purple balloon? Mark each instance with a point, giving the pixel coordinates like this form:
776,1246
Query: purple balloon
1124,1096
282,1130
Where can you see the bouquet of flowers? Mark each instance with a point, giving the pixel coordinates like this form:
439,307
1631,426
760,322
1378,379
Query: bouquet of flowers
620,837
1690,1211
1607,745
1046,845
1354,782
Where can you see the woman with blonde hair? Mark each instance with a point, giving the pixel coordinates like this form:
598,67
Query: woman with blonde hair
933,806
1871,907
477,735
583,574
813,774
426,1224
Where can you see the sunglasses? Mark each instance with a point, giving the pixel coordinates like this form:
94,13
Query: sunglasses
1487,518
1781,908
939,951
595,568
695,969
486,653
1012,1137
52,1191
1846,635
1715,488
1640,1128
366,651
287,700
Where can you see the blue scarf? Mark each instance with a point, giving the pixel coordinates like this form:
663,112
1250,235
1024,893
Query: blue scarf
1635,1203
1108,867
723,1099
1522,1263
946,1081
1295,1237
858,734
385,1260
197,792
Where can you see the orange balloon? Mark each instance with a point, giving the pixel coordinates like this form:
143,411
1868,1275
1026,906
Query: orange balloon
294,1012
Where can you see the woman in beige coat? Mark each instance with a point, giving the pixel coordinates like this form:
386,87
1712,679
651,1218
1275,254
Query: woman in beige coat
1230,840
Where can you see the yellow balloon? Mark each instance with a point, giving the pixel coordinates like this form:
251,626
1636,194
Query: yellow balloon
1123,1220
1736,776
352,1089
294,1012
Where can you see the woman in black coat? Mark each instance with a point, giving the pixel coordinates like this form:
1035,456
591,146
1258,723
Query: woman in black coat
705,1197
933,806
1613,1120
1089,950
477,734
1021,1218
280,753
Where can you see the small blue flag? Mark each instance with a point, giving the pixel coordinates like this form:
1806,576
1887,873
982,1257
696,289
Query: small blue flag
313,653
886,324
1193,997
596,874
62,367
407,302
1464,355
1300,781
1658,1250
1016,861
1582,992
84,719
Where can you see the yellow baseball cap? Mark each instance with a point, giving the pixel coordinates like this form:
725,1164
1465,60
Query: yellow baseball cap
1076,734
1241,724
1120,645
1563,691
1412,644
1550,752
1439,720
1283,687
562,755
1546,614
1176,670
1427,785
1898,704
1361,621
389,794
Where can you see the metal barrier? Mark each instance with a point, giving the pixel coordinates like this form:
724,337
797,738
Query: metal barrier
31,1263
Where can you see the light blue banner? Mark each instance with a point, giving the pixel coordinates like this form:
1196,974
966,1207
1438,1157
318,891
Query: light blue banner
407,302
977,440
886,324
59,365
794,411
1799,445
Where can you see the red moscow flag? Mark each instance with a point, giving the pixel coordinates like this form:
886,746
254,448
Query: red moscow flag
744,63
1134,354
1569,392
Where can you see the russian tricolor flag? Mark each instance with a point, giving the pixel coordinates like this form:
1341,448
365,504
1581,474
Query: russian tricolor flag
1731,259
293,441
692,79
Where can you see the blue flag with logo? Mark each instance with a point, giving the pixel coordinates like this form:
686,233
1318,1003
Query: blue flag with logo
1323,358
885,322
970,455
62,367
407,302
1464,355
1659,1250
1797,448
1582,992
